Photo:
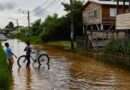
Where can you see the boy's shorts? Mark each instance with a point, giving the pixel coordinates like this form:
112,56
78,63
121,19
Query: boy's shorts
10,60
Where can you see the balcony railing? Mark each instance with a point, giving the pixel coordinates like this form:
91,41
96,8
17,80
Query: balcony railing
108,20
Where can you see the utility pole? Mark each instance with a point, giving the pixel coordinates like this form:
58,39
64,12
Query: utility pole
28,18
17,21
117,7
72,26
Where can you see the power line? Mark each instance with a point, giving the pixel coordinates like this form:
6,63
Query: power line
44,3
43,8
47,6
52,4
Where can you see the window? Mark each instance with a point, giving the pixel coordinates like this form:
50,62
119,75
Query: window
93,13
113,12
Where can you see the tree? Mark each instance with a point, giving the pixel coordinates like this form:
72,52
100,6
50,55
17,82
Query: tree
10,26
76,8
55,28
36,27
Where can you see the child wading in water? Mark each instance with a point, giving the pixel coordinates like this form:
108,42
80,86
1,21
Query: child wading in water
9,54
28,51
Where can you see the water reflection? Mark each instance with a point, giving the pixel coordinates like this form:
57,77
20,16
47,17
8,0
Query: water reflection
28,79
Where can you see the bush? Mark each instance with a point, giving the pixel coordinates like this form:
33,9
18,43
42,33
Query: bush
5,75
118,46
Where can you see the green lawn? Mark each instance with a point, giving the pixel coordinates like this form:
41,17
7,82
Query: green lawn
5,75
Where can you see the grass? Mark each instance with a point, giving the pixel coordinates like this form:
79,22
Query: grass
5,75
37,40
32,39
63,44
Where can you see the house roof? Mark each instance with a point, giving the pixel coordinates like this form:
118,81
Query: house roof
104,2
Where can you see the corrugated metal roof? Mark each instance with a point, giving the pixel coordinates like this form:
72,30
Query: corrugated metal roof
103,2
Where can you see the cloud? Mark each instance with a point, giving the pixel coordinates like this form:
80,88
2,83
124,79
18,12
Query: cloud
39,11
7,6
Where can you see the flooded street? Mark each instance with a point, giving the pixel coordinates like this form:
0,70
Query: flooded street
68,71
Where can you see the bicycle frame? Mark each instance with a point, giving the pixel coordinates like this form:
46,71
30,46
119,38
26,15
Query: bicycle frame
36,57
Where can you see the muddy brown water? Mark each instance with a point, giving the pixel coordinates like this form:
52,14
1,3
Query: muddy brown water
68,71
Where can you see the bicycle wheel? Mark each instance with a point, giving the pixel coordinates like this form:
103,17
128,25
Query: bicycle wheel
44,59
21,60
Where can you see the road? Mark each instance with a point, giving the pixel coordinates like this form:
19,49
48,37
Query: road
2,37
68,71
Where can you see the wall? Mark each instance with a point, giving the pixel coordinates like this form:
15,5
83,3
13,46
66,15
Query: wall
123,21
89,19
107,19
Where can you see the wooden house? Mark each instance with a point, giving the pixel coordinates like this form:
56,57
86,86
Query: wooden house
99,18
101,14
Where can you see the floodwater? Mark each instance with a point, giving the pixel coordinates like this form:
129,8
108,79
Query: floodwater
68,71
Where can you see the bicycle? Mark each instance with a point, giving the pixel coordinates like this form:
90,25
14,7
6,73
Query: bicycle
38,57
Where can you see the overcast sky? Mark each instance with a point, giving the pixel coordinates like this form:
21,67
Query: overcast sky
10,9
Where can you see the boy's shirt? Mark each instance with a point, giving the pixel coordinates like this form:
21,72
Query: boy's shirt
9,53
28,50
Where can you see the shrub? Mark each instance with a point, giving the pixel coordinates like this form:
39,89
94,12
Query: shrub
118,46
5,75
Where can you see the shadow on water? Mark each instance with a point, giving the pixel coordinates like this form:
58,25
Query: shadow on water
28,79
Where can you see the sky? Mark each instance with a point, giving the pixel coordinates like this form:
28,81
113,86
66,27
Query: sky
10,10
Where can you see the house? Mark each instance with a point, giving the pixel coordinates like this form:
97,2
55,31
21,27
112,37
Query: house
99,18
101,14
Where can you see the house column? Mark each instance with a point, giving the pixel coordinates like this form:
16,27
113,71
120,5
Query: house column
117,7
107,36
117,34
91,27
129,5
84,29
124,6
101,27
98,28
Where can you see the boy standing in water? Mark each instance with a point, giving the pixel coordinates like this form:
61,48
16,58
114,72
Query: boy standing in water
28,51
9,55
